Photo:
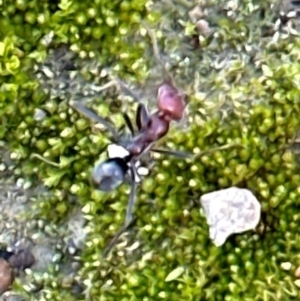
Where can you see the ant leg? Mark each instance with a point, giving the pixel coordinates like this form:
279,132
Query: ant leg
212,150
141,116
94,117
129,214
185,155
113,241
131,202
129,123
177,154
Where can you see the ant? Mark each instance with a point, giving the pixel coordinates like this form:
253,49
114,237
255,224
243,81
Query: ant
110,174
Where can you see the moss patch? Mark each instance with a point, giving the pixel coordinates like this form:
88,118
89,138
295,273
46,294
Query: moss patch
243,87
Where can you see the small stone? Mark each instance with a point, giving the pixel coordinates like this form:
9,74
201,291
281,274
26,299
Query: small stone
143,171
195,14
286,266
76,266
6,276
297,282
44,255
39,114
67,282
203,27
47,39
297,272
11,296
229,211
22,260
72,250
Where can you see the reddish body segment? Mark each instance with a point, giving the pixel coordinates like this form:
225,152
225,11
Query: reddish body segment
156,127
153,127
170,102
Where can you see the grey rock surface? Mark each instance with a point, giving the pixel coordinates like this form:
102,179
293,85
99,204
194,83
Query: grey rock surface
229,211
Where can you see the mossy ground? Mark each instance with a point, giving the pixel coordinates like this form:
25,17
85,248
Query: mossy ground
243,86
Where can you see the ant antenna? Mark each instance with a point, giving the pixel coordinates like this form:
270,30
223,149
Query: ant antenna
129,214
95,118
127,90
155,49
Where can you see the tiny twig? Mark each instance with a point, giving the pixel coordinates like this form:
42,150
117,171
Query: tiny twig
45,160
112,83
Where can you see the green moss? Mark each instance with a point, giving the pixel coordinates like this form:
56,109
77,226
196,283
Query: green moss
248,266
252,103
99,27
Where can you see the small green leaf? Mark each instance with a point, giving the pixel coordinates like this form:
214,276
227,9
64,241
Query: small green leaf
9,87
65,4
12,64
2,48
61,208
267,71
39,56
54,179
174,274
65,161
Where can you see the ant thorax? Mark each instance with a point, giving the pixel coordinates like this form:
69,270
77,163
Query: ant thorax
119,151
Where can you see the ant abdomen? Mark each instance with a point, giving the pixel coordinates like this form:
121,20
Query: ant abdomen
110,174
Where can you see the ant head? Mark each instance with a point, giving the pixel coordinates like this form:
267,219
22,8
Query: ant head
109,174
170,101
